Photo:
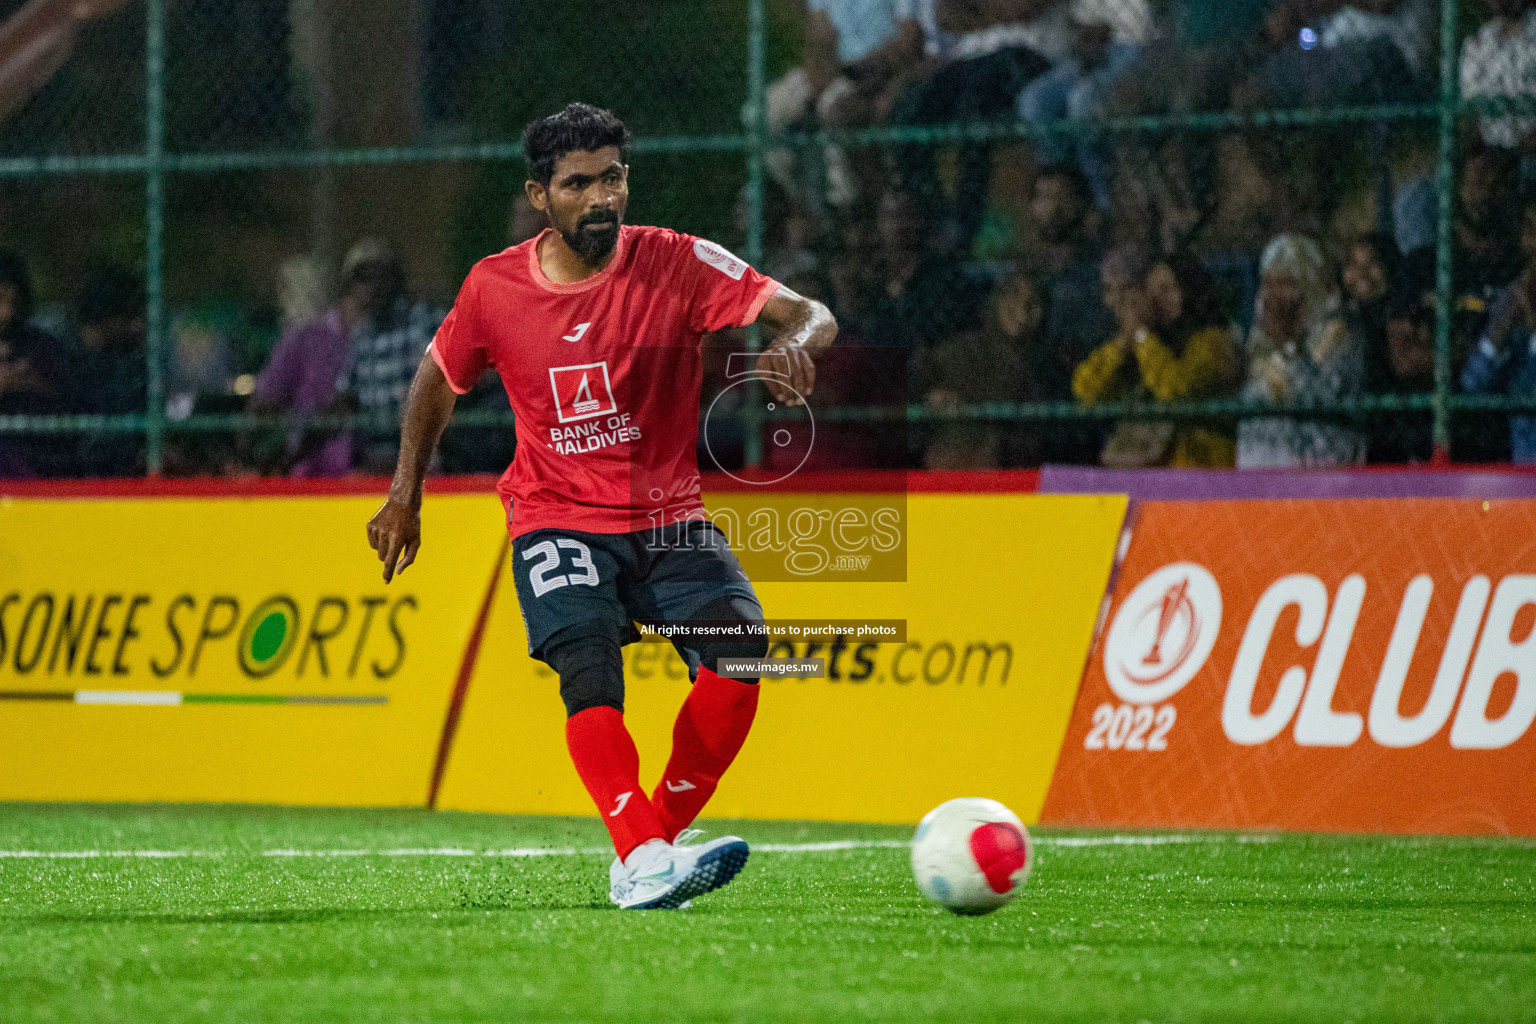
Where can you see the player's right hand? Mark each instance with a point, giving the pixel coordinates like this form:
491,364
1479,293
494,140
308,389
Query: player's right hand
395,533
802,372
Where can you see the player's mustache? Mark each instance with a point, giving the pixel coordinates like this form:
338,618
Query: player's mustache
603,217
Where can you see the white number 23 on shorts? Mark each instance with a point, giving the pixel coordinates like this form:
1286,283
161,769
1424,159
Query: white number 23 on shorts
549,553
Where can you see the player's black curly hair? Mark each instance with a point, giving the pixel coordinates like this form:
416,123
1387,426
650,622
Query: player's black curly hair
580,127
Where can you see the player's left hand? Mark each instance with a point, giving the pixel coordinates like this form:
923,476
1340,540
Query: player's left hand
395,533
802,372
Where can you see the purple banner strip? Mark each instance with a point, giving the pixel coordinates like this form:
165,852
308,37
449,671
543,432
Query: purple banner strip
1231,484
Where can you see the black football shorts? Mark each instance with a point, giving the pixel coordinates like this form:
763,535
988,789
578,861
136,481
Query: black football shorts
571,583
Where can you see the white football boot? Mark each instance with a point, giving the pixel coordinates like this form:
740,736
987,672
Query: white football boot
618,881
662,876
618,876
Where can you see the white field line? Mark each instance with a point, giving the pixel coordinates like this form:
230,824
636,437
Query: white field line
91,854
836,846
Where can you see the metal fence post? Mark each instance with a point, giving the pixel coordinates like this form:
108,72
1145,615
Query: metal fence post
757,135
154,230
1446,185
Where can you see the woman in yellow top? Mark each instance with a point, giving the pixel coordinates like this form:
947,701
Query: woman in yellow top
1173,345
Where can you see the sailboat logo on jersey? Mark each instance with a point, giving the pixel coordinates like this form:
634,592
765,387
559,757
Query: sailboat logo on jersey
582,392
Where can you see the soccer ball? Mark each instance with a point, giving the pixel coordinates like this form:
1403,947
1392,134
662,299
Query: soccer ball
971,855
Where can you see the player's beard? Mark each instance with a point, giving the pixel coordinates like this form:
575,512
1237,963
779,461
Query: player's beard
595,236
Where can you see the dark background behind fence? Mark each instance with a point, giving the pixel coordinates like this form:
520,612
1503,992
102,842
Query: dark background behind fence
1007,199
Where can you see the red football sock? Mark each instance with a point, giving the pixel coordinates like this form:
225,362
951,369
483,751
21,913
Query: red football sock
710,729
609,766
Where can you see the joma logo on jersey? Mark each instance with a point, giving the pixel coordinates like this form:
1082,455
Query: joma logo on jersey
582,392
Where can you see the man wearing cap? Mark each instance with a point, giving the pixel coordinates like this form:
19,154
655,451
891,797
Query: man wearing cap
386,348
310,369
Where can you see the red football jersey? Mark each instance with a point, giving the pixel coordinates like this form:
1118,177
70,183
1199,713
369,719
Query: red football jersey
603,375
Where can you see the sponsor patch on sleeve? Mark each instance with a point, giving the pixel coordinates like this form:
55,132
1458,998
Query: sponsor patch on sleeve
720,259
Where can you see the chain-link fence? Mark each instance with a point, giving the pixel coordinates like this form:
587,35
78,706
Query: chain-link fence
1129,232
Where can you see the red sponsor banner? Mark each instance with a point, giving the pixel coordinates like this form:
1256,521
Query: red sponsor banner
1313,665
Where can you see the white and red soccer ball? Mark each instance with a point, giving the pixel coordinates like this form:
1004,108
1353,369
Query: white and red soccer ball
971,855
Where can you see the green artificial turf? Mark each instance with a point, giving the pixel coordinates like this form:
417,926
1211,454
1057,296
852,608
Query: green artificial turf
1222,928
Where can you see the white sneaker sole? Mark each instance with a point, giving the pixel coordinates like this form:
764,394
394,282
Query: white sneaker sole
713,870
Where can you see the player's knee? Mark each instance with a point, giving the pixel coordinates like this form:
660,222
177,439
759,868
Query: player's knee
751,644
591,672
753,649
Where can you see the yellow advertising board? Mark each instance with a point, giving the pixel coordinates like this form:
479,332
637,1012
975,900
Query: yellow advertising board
246,650
223,649
1000,597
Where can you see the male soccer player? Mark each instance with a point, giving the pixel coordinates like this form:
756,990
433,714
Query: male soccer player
594,326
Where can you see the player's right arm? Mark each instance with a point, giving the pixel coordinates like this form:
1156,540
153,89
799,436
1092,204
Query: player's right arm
454,361
395,529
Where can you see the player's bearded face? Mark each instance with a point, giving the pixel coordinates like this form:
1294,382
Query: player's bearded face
594,235
585,201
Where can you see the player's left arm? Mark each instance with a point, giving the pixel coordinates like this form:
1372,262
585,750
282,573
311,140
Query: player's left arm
802,330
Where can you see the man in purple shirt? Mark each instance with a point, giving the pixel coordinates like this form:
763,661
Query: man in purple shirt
307,372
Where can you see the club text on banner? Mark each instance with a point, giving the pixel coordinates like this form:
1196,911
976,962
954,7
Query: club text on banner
1358,665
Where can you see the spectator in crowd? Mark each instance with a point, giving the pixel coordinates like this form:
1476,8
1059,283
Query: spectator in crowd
1108,40
1000,47
1406,366
1201,50
859,56
1499,63
300,291
791,248
789,233
917,297
1174,344
307,374
1485,235
1416,213
1487,183
993,364
1069,255
1503,362
201,359
1372,268
386,349
1299,351
1123,269
200,364
1485,258
1371,51
104,373
28,371
1389,306
1322,53
1504,359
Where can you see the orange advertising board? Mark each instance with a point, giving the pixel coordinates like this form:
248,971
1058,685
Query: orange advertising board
1327,665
